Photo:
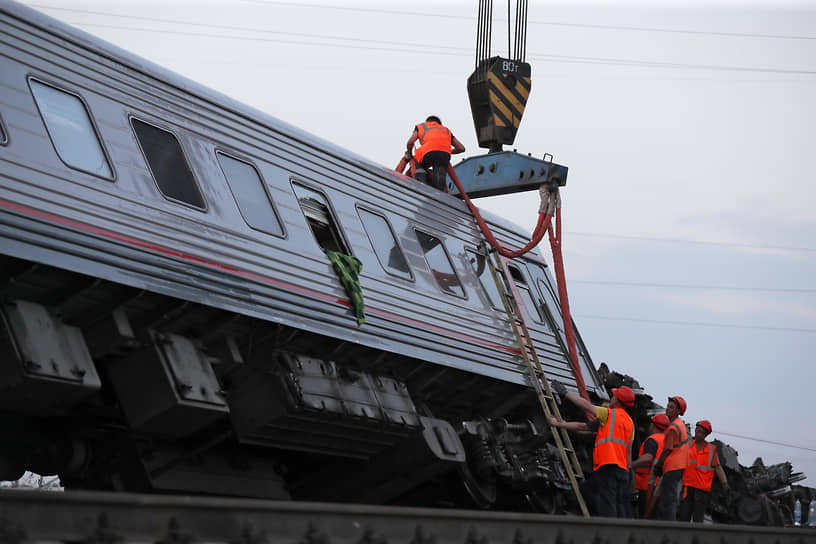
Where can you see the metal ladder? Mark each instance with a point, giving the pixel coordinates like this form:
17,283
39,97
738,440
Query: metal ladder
510,297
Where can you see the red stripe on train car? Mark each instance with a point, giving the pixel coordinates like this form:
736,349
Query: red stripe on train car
239,272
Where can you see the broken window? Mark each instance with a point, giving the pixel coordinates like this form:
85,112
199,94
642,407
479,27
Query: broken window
440,264
482,270
527,301
316,209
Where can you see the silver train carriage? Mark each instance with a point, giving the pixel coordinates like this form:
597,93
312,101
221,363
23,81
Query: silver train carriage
171,320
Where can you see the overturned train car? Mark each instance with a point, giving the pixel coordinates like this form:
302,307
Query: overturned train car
171,322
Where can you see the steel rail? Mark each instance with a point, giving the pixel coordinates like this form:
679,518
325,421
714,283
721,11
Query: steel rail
106,518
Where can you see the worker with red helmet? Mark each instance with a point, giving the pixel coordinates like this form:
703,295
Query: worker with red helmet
436,144
672,461
702,463
615,430
650,449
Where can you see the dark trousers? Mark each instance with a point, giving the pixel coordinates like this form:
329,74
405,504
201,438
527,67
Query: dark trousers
643,496
625,496
693,507
606,492
667,501
437,161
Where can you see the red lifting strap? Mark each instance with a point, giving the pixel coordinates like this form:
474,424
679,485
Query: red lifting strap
544,225
537,236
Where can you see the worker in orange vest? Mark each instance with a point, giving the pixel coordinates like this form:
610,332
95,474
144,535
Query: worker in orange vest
672,461
703,462
609,484
650,449
436,145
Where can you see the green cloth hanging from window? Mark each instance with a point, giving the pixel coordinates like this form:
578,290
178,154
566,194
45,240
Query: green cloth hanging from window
347,269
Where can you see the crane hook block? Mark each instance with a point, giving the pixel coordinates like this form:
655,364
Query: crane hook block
498,91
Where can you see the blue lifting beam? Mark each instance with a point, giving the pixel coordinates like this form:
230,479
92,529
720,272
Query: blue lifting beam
506,172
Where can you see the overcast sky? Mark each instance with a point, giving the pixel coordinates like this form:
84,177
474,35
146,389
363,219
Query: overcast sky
688,130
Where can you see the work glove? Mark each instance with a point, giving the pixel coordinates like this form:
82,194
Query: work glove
658,469
407,156
558,387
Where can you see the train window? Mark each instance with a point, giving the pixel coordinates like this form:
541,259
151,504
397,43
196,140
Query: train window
385,244
546,307
71,129
439,263
482,271
316,209
3,137
167,163
529,304
250,193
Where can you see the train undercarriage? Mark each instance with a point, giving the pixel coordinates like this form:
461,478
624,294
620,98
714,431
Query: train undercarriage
117,388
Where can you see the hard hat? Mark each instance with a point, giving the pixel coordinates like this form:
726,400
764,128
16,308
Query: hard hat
681,402
705,424
661,421
625,395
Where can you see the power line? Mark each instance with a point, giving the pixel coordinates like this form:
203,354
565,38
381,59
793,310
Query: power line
453,50
660,64
239,28
768,441
684,286
687,241
696,323
547,23
678,31
433,49
274,40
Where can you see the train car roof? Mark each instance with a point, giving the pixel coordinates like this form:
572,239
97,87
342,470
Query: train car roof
153,70
185,84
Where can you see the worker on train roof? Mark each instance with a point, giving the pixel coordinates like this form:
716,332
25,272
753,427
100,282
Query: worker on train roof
436,145
609,483
701,465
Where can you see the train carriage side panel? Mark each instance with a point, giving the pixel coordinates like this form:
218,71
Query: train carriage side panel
212,256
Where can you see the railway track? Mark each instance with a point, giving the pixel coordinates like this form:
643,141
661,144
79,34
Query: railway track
114,518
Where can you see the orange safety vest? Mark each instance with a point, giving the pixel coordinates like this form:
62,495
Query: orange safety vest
642,473
432,137
613,440
676,460
699,471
